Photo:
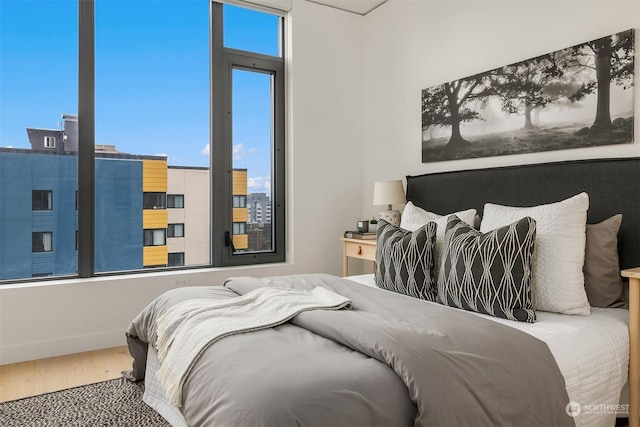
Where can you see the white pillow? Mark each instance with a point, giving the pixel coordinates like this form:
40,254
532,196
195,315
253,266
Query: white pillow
558,256
414,217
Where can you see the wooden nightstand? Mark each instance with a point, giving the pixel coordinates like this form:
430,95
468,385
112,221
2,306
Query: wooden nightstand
634,363
357,248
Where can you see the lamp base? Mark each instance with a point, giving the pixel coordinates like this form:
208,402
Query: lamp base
392,217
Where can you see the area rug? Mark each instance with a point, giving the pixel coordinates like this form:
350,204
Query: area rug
109,403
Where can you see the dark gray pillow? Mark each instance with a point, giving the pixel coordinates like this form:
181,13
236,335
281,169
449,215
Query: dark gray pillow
404,260
489,273
601,264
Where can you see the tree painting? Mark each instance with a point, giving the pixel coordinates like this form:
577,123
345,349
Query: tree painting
581,96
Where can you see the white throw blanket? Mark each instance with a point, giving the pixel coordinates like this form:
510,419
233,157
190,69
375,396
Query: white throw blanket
188,328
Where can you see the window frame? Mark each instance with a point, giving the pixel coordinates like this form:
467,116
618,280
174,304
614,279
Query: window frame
49,141
42,193
158,196
239,228
169,259
242,201
154,233
224,60
44,249
171,229
172,198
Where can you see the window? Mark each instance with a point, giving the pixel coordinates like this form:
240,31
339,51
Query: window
239,201
210,145
239,228
41,274
42,200
175,230
252,31
175,201
29,45
41,241
154,201
155,237
248,81
176,259
49,142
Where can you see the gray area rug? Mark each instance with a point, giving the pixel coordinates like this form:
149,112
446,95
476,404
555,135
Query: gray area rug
110,403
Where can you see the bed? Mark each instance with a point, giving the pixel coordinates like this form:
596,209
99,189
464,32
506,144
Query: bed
351,367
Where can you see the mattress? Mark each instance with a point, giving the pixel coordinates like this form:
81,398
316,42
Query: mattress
154,395
592,353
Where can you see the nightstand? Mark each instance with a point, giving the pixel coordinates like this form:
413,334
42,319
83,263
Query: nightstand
357,248
634,363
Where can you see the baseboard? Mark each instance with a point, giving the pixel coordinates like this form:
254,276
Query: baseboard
60,346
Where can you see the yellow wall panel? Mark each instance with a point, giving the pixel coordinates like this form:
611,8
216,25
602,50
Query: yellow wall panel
240,215
154,176
155,255
240,241
239,182
154,218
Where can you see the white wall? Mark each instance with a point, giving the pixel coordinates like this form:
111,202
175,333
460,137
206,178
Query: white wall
412,45
325,94
327,131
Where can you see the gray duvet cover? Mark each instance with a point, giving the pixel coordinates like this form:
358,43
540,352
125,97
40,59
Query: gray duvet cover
390,361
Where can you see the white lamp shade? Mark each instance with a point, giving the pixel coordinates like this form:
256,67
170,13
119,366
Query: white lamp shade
388,193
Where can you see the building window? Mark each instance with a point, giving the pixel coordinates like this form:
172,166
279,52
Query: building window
42,200
155,237
239,201
154,201
247,82
41,241
41,274
175,230
49,142
175,201
239,228
176,259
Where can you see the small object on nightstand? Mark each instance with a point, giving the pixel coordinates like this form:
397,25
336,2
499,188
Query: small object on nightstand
363,225
362,236
373,225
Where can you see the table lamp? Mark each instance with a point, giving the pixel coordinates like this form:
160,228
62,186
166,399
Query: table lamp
389,193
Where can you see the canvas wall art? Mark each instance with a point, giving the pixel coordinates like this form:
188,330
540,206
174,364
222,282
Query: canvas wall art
581,96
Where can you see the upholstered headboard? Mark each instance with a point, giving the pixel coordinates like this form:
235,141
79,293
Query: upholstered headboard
613,186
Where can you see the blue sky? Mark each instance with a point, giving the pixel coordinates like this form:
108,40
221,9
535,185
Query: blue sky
152,77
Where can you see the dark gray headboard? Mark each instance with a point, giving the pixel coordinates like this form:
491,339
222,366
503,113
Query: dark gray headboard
613,186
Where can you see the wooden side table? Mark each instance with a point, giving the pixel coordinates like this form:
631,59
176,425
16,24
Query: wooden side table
634,329
357,248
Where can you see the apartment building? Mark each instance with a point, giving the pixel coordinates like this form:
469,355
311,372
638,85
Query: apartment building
39,193
148,214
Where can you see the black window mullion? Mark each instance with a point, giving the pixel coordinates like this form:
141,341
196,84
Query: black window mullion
86,136
221,162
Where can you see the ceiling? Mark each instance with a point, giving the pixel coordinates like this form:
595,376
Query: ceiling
361,7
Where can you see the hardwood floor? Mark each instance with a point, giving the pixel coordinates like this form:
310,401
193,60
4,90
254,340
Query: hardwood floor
24,379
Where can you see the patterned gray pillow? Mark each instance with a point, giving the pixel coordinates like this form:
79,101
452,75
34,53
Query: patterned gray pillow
489,273
404,260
